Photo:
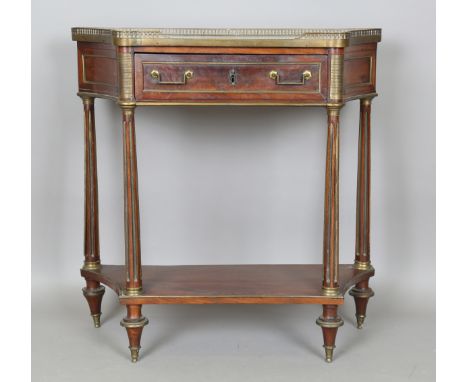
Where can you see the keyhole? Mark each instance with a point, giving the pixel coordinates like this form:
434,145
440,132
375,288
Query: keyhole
233,77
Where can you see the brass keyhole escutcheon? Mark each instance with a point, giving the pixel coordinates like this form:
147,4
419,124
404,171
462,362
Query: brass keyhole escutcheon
232,77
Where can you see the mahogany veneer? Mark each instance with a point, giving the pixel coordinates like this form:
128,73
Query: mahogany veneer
229,284
211,80
272,67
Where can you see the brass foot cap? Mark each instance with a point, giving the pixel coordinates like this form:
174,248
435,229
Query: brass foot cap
134,352
97,320
328,353
360,320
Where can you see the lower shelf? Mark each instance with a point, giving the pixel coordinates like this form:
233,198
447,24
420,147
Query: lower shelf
229,284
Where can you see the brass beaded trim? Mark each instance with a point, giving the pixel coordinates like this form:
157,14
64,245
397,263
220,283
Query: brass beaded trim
130,292
329,323
134,323
361,293
336,77
331,292
91,265
363,265
94,291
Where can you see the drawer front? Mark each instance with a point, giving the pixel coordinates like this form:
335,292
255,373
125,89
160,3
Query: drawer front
230,78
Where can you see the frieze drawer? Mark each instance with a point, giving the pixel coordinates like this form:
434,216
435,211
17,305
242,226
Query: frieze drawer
230,78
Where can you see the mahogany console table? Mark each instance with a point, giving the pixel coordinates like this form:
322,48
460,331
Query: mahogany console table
271,67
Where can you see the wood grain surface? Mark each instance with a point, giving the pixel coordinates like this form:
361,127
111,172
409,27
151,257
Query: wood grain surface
243,284
211,81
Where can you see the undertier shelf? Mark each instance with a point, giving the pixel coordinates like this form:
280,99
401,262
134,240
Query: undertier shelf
229,284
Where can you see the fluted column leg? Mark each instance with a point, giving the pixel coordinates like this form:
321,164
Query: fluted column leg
330,285
361,292
134,284
93,291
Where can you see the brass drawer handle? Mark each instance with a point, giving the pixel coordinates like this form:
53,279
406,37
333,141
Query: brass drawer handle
306,75
156,76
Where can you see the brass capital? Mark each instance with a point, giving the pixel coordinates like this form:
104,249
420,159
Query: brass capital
128,110
333,110
87,100
366,101
130,106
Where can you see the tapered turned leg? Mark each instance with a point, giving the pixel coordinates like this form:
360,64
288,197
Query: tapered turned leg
329,321
361,293
134,323
93,293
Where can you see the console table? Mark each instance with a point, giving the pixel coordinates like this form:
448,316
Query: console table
270,67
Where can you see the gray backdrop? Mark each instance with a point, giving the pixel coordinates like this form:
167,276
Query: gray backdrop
224,185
